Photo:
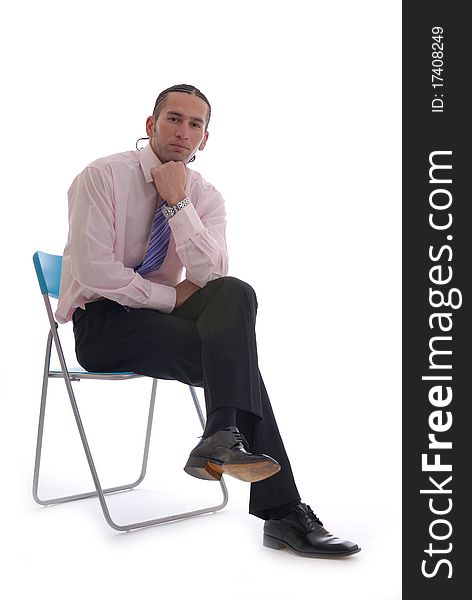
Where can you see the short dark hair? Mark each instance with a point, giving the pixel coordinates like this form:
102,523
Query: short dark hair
181,87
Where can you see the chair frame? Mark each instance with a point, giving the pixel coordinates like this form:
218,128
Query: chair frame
70,376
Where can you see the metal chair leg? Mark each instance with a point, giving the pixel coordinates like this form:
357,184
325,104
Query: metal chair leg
100,492
42,410
71,497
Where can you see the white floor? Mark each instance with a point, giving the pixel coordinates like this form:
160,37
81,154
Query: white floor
68,551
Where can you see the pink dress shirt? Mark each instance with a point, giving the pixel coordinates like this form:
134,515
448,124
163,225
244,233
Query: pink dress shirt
111,208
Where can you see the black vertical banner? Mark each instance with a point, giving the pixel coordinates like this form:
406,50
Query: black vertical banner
437,269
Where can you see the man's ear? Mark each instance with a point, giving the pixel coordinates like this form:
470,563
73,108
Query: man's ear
150,122
204,141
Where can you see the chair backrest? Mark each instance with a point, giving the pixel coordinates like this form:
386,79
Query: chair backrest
48,270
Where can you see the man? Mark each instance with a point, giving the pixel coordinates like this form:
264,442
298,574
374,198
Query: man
136,220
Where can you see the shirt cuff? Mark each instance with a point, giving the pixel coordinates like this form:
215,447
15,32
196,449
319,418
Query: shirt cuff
163,297
185,224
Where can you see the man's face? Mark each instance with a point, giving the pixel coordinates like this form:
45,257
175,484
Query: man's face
180,128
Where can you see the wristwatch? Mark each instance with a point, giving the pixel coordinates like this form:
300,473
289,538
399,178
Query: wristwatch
169,211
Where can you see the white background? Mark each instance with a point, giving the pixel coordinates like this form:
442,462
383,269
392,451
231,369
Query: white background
305,147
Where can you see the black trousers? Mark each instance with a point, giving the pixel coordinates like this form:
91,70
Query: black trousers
209,342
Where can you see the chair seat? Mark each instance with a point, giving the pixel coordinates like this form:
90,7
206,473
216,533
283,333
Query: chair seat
79,373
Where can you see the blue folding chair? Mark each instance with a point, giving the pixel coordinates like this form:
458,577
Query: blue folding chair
48,270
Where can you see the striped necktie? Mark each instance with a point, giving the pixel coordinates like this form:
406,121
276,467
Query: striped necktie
158,244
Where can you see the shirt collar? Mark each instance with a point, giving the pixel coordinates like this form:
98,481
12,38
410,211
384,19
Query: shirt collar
148,160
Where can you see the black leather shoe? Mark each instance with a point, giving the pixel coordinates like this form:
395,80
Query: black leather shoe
226,452
301,531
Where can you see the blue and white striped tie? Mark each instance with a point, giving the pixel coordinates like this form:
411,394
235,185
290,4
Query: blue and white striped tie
158,244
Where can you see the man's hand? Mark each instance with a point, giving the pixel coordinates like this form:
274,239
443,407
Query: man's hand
169,180
184,290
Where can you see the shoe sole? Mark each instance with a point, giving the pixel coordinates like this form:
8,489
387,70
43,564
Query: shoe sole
203,468
276,544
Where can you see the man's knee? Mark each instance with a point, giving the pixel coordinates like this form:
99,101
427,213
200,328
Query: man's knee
240,285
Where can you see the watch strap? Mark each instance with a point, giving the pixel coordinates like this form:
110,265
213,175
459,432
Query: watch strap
170,211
